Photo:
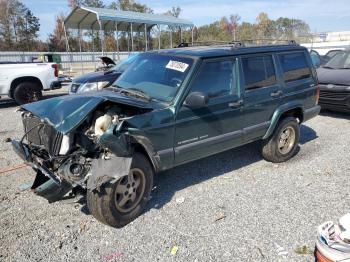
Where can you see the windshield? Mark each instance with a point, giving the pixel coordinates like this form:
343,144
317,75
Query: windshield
123,65
156,75
340,61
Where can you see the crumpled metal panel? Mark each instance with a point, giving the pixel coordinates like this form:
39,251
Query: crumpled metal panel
103,171
67,112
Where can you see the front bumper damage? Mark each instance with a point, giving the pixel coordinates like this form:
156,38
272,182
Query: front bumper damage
46,184
54,186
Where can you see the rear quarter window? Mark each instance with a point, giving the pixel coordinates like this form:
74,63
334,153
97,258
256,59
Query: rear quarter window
259,71
294,66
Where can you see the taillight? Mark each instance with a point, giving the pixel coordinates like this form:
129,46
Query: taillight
55,66
317,93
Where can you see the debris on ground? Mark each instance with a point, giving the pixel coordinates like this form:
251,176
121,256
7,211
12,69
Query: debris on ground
180,200
304,250
220,217
25,186
7,140
84,226
113,256
281,251
174,250
260,252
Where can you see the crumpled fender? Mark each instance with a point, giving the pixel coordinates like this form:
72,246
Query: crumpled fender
116,141
108,170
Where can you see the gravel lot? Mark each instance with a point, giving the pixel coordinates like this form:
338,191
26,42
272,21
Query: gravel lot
230,207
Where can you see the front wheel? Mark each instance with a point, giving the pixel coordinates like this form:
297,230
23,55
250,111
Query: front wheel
119,203
282,145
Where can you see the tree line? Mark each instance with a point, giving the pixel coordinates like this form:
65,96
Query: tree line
19,29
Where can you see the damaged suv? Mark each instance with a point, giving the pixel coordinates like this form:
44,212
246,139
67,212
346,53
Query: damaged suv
169,107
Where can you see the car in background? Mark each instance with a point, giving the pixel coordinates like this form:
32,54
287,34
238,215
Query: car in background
24,82
319,60
329,55
334,80
100,79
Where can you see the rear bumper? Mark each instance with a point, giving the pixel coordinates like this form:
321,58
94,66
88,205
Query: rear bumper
311,112
56,85
46,184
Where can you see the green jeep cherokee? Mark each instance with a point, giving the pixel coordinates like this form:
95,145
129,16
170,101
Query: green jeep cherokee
169,108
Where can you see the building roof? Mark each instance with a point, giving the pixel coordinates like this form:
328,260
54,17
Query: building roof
87,18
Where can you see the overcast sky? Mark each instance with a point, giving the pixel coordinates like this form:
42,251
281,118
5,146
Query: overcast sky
321,15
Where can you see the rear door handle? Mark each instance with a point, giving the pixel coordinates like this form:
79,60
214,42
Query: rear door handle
237,104
276,94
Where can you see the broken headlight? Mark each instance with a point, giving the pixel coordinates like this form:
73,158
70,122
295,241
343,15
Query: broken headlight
88,87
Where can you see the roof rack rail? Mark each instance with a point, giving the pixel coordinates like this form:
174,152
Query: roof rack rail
240,44
212,43
271,41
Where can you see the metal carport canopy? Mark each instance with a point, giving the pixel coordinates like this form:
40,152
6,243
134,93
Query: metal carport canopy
89,18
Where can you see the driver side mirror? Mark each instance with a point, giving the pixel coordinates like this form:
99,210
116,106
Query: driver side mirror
196,100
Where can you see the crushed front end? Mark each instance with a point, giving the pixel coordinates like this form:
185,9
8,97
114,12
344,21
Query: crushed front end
79,158
47,151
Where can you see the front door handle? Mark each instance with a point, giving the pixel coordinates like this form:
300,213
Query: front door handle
236,104
276,94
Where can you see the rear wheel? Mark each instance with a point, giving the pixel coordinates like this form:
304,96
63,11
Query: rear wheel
27,92
118,203
282,145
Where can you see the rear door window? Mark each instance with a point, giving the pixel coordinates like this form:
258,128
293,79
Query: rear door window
294,66
259,71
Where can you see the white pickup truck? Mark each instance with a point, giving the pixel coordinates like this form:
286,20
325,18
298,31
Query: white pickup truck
24,82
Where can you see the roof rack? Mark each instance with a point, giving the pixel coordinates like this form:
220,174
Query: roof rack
240,44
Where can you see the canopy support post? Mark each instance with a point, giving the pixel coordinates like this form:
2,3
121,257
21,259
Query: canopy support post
181,41
171,37
80,50
132,38
116,29
146,44
93,43
160,32
67,42
65,35
192,34
102,37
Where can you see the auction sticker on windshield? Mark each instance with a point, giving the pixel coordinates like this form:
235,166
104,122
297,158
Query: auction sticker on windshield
178,66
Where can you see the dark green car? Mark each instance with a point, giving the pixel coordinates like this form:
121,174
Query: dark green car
169,108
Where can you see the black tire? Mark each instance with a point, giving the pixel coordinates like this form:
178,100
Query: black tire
103,202
27,92
271,150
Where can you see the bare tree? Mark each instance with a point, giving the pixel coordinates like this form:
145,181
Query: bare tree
231,25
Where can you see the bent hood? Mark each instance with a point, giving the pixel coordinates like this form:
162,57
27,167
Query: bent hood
67,112
97,76
333,76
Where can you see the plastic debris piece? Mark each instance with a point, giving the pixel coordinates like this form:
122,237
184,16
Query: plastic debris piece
220,217
174,250
25,187
180,200
303,250
281,251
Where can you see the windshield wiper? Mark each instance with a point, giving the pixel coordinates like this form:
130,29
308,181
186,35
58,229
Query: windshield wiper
328,67
133,91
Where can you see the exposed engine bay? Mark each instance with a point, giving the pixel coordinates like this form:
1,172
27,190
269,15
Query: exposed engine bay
64,161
